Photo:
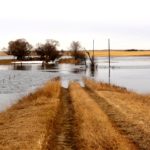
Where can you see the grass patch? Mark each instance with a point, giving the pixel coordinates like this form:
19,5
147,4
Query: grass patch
6,62
103,86
128,110
68,61
25,125
2,53
104,53
99,116
94,127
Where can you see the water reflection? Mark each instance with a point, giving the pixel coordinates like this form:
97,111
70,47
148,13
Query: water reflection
90,73
21,67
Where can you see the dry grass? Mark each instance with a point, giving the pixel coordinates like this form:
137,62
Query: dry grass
6,62
103,86
128,110
132,115
99,117
25,125
63,136
3,53
104,53
94,127
99,53
68,61
52,88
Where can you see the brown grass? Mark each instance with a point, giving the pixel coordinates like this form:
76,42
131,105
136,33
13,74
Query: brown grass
99,116
129,111
6,62
63,135
3,53
104,53
25,124
69,61
103,86
99,53
95,129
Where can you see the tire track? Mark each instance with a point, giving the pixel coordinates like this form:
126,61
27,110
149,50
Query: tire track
63,136
121,123
96,132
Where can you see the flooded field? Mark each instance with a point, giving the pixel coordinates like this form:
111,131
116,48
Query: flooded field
18,80
130,72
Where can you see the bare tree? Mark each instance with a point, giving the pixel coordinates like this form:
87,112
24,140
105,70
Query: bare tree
91,58
48,51
19,48
40,51
53,42
75,47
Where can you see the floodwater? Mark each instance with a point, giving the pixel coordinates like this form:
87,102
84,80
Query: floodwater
18,80
6,57
130,72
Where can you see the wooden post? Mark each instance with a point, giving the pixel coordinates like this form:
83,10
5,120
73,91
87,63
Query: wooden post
93,48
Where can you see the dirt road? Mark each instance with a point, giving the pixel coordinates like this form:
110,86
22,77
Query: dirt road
88,119
63,136
94,117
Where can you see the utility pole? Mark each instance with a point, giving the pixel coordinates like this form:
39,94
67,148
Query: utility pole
109,60
93,48
93,55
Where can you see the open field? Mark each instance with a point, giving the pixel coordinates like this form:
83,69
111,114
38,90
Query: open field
104,53
95,117
3,53
99,53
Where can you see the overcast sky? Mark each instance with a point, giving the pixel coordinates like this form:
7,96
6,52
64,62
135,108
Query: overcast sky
125,22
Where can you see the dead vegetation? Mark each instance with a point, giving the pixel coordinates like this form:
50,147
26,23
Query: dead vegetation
104,53
104,86
6,62
2,53
97,117
24,125
129,111
63,135
95,129
69,61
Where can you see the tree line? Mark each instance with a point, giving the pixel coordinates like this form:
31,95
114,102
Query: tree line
48,51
